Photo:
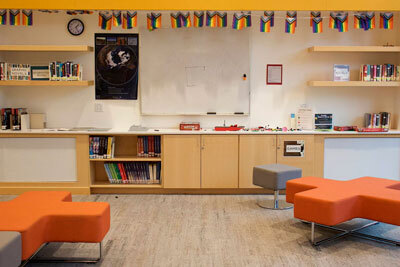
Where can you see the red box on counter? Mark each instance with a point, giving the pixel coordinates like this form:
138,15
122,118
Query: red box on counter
189,126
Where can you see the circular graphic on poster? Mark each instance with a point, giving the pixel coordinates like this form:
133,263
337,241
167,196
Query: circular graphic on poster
116,64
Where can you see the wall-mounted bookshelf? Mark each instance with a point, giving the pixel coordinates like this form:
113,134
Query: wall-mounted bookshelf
371,49
45,83
352,84
46,48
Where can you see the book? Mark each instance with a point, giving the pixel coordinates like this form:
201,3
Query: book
341,73
101,147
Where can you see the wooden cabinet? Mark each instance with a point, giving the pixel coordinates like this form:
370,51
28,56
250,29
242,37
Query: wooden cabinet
219,161
254,150
181,161
305,161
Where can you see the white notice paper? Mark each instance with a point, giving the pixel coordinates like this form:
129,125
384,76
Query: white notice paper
305,117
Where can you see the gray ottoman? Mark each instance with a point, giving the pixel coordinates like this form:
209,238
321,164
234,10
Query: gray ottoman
10,248
274,176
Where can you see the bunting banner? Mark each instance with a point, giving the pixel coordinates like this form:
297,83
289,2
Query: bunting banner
3,16
27,17
15,16
290,25
153,21
117,18
185,19
105,20
198,19
265,23
129,19
241,20
176,20
292,15
211,19
364,20
317,25
386,21
222,19
314,14
270,14
342,22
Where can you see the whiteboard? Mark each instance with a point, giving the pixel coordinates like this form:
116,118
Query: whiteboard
38,160
349,158
189,71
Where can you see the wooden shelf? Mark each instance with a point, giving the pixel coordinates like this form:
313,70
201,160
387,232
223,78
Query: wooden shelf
46,48
133,158
46,83
392,49
352,84
108,185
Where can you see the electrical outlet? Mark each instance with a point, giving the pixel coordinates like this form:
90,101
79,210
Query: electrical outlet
98,107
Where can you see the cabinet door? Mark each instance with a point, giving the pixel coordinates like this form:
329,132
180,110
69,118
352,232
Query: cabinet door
287,152
254,150
219,161
181,161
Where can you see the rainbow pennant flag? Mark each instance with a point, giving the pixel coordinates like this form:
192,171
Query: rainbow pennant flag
314,14
332,20
342,22
222,19
117,18
238,21
129,20
248,19
153,21
105,20
176,20
290,25
27,17
265,23
386,21
15,16
361,21
185,19
211,19
293,15
317,25
370,19
3,17
270,14
198,19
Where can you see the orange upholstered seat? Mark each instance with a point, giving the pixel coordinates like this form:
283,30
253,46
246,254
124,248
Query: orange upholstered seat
44,216
331,202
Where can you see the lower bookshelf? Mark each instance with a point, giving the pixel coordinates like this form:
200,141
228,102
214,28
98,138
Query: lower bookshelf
99,184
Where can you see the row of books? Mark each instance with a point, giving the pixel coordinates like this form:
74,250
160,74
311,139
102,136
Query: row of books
377,120
133,172
65,71
10,71
149,146
380,73
11,118
101,147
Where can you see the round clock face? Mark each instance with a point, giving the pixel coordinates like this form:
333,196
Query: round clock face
75,27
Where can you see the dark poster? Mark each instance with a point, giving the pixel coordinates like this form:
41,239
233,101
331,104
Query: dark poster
117,65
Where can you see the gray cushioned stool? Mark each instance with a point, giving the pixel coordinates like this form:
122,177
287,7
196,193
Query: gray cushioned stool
10,248
274,176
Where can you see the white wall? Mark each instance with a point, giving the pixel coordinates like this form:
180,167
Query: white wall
67,107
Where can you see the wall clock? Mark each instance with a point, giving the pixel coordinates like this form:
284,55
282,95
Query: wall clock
75,27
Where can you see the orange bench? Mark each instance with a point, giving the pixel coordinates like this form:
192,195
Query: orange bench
50,216
329,202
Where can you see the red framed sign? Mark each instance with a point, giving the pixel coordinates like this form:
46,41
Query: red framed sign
274,74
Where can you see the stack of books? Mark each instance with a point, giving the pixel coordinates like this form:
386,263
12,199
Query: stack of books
149,146
133,172
65,71
380,73
18,72
11,118
101,147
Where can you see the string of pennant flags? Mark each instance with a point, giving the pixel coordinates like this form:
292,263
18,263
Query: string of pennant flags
214,19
